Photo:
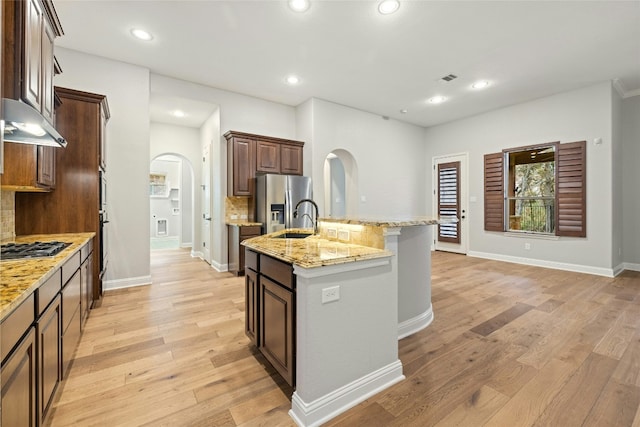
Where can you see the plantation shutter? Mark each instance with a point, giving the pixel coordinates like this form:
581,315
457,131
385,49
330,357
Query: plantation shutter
494,192
571,194
449,200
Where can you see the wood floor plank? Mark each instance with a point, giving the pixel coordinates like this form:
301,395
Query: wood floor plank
498,321
617,406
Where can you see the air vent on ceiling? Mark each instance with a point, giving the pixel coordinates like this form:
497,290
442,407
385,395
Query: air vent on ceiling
449,77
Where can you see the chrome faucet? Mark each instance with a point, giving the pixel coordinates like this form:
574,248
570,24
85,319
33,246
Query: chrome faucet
315,223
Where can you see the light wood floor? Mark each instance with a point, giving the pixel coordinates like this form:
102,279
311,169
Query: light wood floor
510,345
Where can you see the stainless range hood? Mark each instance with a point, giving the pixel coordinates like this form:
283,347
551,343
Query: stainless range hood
24,125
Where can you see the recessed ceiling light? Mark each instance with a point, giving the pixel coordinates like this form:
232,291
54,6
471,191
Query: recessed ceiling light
480,84
437,99
179,113
404,111
293,80
299,5
141,34
387,7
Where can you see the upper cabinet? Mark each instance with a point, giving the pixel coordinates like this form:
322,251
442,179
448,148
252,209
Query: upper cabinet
250,154
29,30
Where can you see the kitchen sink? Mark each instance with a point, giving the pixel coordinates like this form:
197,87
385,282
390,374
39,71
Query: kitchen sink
293,236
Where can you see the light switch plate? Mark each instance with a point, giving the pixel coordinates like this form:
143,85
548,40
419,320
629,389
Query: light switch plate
332,232
343,235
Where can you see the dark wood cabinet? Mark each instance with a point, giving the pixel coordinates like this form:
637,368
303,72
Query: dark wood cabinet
74,205
29,31
276,326
291,159
267,157
29,168
241,166
86,277
49,356
251,306
237,235
18,379
249,154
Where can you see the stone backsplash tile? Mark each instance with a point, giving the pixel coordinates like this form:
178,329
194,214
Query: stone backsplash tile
240,207
8,215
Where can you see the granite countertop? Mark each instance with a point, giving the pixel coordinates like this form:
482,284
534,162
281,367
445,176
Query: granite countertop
20,278
243,223
393,222
312,251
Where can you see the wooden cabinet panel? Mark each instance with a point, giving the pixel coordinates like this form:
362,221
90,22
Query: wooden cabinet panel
70,339
86,277
291,159
47,62
251,305
267,157
71,300
241,166
48,291
276,327
18,379
238,234
277,270
49,356
28,168
16,324
32,85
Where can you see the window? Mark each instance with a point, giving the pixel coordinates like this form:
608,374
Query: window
537,189
531,188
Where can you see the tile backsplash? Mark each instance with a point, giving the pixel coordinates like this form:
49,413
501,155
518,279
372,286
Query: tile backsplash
238,208
8,215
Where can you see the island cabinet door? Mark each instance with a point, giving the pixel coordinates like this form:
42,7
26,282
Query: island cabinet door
251,305
276,327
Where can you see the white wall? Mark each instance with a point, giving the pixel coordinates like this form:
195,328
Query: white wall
389,155
127,89
583,114
185,142
630,181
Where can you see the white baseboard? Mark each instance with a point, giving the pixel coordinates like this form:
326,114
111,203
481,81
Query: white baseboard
186,245
196,254
599,271
221,268
130,282
631,266
415,324
330,405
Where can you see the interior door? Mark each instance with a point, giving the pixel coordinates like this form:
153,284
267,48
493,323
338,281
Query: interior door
206,203
449,200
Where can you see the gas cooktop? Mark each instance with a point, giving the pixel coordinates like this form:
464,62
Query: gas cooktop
31,250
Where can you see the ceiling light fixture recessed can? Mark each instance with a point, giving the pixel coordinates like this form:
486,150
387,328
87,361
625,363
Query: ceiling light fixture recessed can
480,84
387,7
179,113
437,99
293,80
141,34
299,5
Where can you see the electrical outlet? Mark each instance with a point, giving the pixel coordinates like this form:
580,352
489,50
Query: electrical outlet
243,216
343,235
234,216
332,232
330,294
527,246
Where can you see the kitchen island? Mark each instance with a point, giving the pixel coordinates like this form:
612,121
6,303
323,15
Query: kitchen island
349,309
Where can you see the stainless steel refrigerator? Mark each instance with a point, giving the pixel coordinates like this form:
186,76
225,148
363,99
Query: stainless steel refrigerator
276,199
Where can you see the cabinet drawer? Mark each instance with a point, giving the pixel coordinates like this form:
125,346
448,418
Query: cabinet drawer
48,291
70,267
70,300
279,271
251,259
250,230
86,250
16,324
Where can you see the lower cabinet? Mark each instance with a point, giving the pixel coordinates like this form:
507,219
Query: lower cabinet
276,327
49,353
70,319
18,381
271,311
86,277
237,235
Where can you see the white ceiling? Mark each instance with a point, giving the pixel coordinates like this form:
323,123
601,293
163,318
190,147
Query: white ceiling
347,53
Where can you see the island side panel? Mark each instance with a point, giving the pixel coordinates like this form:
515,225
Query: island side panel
414,279
347,349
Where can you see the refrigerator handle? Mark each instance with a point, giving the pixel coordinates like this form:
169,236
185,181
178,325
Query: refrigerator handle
287,209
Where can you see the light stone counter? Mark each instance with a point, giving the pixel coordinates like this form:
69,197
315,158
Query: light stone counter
395,222
243,223
20,278
313,251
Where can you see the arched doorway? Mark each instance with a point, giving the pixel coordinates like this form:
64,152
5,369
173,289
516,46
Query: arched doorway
171,201
341,184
